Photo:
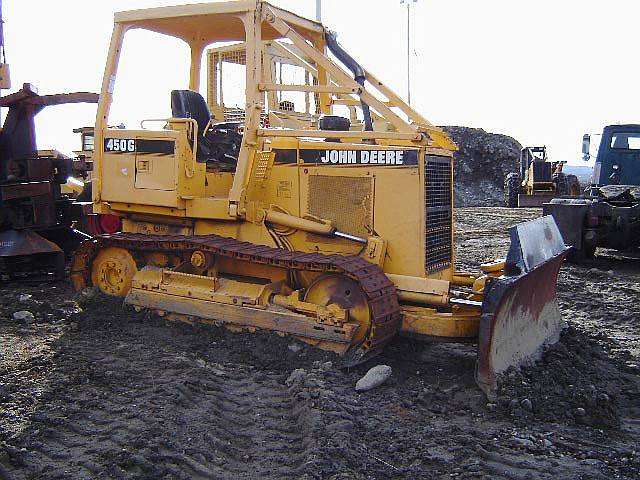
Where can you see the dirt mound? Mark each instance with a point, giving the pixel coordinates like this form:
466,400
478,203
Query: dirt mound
573,383
481,164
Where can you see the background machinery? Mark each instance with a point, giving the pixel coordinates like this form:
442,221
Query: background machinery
37,209
538,180
608,215
297,220
36,218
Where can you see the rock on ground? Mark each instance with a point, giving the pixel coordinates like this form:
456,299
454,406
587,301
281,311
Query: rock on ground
24,316
374,378
296,377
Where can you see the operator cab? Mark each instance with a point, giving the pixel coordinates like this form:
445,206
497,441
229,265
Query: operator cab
199,155
271,88
538,157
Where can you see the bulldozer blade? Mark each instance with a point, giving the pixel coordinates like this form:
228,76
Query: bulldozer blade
520,314
17,243
25,250
536,200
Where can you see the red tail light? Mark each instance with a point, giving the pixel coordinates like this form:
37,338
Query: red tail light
101,224
109,223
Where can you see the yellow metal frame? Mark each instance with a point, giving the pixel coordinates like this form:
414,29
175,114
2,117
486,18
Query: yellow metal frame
228,17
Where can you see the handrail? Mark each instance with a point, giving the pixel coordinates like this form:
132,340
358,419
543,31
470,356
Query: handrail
194,135
142,122
283,132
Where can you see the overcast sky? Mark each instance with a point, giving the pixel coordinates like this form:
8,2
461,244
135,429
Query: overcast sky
542,71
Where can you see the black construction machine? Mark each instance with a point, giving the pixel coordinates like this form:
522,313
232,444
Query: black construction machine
36,218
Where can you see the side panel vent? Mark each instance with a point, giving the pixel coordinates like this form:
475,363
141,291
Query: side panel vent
347,201
438,213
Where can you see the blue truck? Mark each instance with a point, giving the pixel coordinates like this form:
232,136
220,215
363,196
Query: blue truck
607,215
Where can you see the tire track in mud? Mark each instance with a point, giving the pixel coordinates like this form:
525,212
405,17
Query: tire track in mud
124,407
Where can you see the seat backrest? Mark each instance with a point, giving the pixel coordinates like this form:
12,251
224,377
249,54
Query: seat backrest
190,104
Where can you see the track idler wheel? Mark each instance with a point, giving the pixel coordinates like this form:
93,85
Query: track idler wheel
345,293
112,271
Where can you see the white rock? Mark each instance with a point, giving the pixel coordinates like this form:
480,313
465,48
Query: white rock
373,378
295,347
25,297
24,316
89,293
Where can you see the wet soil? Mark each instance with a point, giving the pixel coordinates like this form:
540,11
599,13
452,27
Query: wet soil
91,389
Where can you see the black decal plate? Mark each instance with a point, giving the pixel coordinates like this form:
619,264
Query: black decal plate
286,156
139,145
375,158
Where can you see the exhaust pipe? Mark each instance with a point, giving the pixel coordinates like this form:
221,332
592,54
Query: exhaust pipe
358,72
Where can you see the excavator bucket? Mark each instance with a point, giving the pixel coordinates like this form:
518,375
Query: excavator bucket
520,313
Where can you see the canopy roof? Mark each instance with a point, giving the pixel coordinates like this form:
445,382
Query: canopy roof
212,22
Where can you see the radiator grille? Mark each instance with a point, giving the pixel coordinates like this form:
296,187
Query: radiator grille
438,213
348,201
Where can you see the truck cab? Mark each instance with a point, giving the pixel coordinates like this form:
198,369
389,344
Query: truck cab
618,159
608,215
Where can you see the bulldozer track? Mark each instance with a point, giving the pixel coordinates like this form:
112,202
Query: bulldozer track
379,290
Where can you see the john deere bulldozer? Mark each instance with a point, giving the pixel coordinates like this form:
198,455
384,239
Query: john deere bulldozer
337,231
538,181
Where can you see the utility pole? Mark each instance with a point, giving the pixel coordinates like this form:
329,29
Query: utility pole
319,10
408,2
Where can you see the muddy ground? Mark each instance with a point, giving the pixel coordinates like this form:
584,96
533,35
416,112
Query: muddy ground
91,389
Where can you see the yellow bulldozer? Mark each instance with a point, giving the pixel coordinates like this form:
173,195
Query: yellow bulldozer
337,231
539,180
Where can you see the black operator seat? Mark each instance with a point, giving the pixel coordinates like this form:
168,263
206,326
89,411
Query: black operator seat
219,147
